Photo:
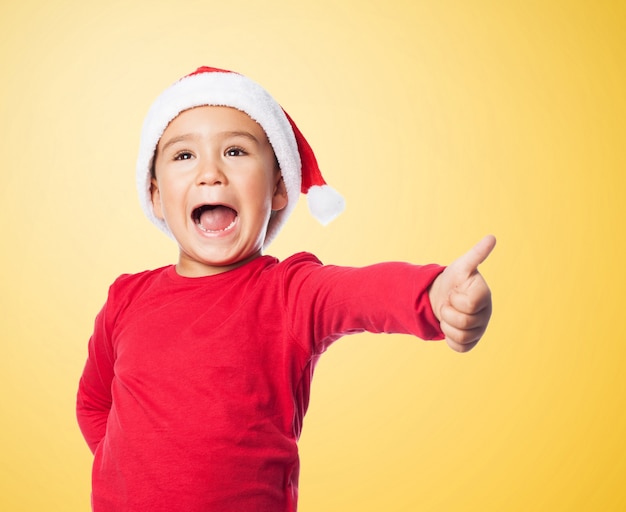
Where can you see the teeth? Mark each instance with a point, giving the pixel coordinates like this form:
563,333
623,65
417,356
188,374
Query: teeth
202,228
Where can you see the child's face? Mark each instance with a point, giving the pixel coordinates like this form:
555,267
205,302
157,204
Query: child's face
216,184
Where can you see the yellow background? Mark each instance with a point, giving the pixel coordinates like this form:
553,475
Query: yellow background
439,122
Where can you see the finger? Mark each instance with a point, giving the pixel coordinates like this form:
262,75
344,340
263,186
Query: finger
476,255
463,321
474,299
462,340
459,347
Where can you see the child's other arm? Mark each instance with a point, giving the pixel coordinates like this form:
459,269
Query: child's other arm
93,401
461,299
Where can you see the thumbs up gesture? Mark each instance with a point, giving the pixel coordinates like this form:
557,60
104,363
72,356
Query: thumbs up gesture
461,299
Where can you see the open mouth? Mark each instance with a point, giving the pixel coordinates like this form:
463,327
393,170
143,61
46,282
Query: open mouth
214,218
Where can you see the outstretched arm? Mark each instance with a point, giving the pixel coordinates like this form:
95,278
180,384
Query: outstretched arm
461,299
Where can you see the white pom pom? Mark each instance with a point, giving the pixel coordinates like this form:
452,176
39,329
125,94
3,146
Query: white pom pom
325,203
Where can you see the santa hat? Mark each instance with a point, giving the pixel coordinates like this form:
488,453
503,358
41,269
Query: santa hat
218,87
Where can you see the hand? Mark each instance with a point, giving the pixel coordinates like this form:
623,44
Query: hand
461,299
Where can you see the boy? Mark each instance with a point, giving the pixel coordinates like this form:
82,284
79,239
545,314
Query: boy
198,374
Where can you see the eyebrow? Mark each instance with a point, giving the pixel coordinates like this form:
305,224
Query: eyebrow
191,136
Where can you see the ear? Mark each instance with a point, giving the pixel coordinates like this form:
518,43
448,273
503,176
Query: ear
279,199
155,196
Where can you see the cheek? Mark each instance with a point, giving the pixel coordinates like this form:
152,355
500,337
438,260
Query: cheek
169,196
255,191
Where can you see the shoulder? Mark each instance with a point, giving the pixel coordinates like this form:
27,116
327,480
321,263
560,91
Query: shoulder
273,265
129,285
301,258
125,280
302,262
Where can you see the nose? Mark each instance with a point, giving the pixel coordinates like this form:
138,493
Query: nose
210,172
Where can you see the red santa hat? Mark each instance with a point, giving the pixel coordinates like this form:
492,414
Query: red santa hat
218,87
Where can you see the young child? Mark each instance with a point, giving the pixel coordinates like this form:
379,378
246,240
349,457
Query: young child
198,374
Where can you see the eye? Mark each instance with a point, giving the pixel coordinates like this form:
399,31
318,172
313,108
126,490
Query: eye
183,155
235,151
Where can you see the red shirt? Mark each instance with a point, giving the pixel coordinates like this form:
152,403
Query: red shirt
194,391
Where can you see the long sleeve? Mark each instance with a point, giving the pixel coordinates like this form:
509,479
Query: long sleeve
93,402
327,302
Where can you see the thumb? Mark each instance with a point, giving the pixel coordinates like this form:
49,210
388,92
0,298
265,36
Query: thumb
469,262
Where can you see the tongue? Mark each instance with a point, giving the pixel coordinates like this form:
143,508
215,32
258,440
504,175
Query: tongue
217,218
